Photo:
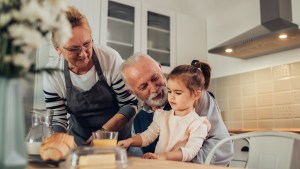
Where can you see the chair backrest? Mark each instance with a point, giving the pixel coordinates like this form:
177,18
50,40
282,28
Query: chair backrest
268,149
241,153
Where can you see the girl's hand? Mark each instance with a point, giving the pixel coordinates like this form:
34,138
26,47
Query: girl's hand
125,143
150,156
158,156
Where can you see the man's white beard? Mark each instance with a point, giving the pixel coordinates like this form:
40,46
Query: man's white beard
159,102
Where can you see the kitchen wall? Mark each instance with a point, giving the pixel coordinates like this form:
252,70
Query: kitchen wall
262,92
264,98
225,21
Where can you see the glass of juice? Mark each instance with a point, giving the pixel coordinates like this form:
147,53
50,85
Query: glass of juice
104,138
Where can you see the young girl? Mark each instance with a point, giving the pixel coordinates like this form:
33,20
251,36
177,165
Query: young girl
181,131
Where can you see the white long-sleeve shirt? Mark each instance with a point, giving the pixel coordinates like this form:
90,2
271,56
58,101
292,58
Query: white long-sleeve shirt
185,133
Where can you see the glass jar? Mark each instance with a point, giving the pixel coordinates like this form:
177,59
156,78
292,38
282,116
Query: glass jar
96,157
41,129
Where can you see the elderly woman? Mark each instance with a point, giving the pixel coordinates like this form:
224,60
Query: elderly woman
89,93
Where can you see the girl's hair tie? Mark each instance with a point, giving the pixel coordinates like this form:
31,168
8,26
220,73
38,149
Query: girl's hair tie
194,63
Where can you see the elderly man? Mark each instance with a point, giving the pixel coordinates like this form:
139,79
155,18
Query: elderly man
143,77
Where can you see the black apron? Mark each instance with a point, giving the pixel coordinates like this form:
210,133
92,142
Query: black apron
91,109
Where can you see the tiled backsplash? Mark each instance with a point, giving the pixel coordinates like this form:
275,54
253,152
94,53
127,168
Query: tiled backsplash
267,98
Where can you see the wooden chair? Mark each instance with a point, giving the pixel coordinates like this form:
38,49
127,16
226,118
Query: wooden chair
268,149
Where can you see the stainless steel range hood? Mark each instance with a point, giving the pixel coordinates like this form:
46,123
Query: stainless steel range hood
276,17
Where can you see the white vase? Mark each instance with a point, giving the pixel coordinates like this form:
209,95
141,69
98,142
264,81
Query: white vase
12,125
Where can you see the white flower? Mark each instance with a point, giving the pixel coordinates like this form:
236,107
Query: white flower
4,19
24,35
61,3
30,11
5,1
23,25
38,15
7,59
22,61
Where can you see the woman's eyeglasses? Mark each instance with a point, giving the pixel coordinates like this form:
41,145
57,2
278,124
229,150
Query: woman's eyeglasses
77,50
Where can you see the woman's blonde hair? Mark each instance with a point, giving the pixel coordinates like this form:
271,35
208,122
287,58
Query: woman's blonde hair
75,18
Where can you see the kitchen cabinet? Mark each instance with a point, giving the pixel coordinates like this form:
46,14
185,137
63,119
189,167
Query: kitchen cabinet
120,26
158,35
130,26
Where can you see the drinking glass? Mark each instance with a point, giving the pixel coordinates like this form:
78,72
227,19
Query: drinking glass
104,138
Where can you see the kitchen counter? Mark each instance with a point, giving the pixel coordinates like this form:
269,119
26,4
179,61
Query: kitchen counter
139,163
237,131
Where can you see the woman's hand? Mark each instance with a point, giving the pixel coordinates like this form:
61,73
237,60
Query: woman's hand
125,143
89,141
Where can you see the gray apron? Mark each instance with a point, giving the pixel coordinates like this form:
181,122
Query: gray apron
91,109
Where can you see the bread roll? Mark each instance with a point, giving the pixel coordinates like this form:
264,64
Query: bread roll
57,146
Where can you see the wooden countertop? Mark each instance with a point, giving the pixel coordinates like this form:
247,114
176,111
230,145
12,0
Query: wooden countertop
139,163
237,131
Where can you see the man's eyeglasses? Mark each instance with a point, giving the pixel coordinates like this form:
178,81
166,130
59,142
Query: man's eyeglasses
77,50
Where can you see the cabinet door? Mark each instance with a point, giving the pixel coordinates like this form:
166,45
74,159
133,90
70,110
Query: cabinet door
158,35
121,28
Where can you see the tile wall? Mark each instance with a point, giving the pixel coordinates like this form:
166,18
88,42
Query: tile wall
266,98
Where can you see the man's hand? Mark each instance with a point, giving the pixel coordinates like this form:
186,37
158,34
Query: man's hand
116,123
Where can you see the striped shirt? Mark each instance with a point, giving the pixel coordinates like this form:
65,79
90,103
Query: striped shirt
55,86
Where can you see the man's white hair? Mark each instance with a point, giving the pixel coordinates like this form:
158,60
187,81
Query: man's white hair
134,60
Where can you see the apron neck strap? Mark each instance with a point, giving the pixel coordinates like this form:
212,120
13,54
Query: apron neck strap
97,64
67,74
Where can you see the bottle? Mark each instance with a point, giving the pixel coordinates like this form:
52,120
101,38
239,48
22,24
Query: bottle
12,134
41,129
